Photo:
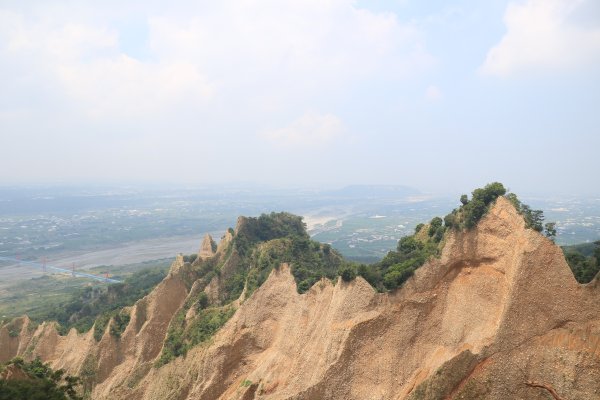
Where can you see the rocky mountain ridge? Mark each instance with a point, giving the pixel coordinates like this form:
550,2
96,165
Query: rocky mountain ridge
498,312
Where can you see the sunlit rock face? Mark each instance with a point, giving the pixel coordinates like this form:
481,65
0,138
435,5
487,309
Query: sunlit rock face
497,314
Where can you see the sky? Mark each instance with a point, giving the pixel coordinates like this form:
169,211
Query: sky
441,95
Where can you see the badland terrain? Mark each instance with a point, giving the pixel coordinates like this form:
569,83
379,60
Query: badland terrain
477,305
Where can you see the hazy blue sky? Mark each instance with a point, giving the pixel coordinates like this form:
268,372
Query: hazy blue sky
438,94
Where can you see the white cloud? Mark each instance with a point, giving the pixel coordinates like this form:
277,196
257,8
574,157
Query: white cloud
544,34
311,42
81,79
126,87
433,93
251,50
310,130
85,63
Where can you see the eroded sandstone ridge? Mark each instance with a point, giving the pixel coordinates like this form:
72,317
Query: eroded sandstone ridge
499,308
207,248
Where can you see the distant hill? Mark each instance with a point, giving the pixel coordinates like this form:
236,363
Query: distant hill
585,249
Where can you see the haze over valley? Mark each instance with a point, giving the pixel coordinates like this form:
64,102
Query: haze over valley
299,200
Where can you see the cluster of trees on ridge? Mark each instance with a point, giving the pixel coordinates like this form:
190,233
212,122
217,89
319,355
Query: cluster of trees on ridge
427,241
265,242
259,245
471,211
35,380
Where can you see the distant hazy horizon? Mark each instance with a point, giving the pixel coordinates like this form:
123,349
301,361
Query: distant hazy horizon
441,96
83,188
258,188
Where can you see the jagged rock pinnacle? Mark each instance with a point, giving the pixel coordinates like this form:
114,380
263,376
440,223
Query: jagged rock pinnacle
206,248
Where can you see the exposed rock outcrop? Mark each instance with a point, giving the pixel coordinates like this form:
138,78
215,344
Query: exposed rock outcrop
498,309
207,248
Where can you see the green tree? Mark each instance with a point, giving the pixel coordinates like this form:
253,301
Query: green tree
584,268
490,192
418,227
408,244
202,301
439,234
348,273
450,220
370,274
435,223
550,230
44,383
473,212
534,219
514,200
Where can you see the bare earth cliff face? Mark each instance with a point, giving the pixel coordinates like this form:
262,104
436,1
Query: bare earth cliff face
498,310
